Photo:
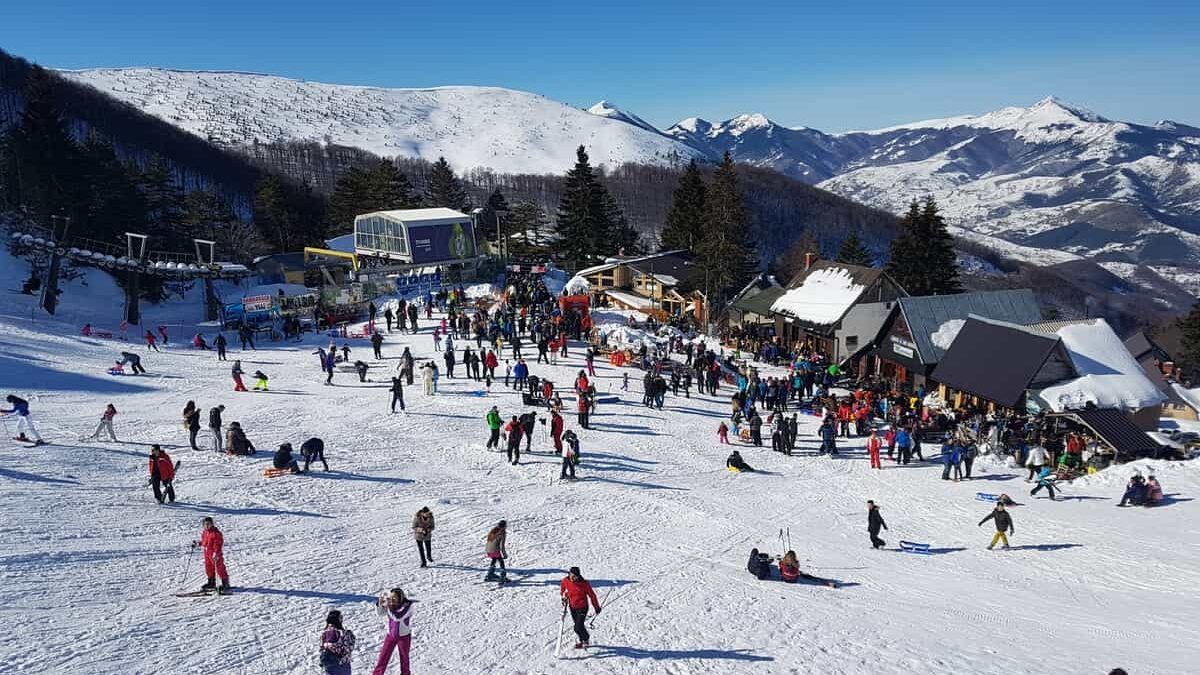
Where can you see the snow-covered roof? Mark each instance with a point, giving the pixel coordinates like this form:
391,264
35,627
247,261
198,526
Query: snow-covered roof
577,285
822,298
1189,396
434,216
631,300
1109,375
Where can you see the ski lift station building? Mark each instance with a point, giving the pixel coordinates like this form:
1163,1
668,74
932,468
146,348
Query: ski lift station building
415,237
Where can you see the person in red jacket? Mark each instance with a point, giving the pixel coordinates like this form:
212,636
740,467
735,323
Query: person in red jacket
556,431
581,383
212,542
162,472
873,446
576,592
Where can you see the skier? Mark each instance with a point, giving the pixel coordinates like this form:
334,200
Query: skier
512,432
283,459
494,422
191,422
214,426
377,345
313,450
162,473
422,526
106,423
212,542
576,593
221,343
237,373
494,548
1003,523
397,391
398,610
337,645
873,446
874,522
260,383
570,455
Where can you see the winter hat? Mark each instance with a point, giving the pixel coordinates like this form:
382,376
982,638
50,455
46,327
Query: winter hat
575,571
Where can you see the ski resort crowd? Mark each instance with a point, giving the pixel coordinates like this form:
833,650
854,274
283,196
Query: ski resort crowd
528,328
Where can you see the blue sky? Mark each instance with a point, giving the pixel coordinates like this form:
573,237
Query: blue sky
834,66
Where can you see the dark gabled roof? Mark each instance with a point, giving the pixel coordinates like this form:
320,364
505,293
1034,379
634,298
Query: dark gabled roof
1144,349
926,313
759,303
998,361
863,276
1116,429
677,264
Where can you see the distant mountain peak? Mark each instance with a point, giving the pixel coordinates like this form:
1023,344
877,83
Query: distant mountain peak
1057,105
604,108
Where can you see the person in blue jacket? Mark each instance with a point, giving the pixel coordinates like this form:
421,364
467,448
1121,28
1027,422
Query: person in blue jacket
20,408
520,375
829,437
904,444
1044,481
950,457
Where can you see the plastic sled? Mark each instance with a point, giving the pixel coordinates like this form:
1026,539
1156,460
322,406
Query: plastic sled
914,547
987,497
275,473
733,469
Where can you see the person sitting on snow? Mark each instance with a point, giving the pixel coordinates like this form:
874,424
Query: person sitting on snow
283,459
735,461
1135,491
236,442
1154,492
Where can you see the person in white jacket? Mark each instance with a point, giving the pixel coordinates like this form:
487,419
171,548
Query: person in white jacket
1038,457
398,610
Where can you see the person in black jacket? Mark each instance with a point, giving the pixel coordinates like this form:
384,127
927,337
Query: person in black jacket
214,425
220,342
284,460
191,420
397,393
377,341
735,461
1003,524
874,522
313,450
527,421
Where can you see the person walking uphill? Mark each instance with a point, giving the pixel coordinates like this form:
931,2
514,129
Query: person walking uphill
398,610
212,542
162,473
576,593
1003,523
422,526
874,523
494,548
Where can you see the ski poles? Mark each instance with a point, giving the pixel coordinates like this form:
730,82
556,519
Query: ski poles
187,564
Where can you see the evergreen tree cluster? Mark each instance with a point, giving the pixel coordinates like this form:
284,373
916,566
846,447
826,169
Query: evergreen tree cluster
1189,326
363,190
711,221
922,258
591,224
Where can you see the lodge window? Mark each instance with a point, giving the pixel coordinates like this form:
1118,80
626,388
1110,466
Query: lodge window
851,341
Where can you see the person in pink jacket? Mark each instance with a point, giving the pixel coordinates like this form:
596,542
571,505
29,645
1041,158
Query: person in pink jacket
398,610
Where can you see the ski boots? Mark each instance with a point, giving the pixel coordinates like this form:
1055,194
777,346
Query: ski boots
210,586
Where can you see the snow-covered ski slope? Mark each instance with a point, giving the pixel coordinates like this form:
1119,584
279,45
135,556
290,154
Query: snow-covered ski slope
89,561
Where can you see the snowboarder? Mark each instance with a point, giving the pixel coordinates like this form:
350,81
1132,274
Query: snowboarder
191,422
570,455
260,383
494,548
214,426
106,423
337,645
313,450
422,526
398,610
212,543
1003,524
874,522
237,373
576,593
162,473
397,391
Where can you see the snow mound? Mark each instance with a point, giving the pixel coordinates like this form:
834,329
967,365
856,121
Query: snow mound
944,336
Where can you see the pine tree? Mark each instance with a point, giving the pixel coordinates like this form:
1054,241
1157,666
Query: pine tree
164,204
685,222
113,203
494,210
907,258
1189,326
388,189
527,220
444,188
42,156
351,197
210,216
940,259
728,254
581,212
852,251
620,238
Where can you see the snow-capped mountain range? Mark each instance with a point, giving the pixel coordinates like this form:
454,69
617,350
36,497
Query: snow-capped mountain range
1046,183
